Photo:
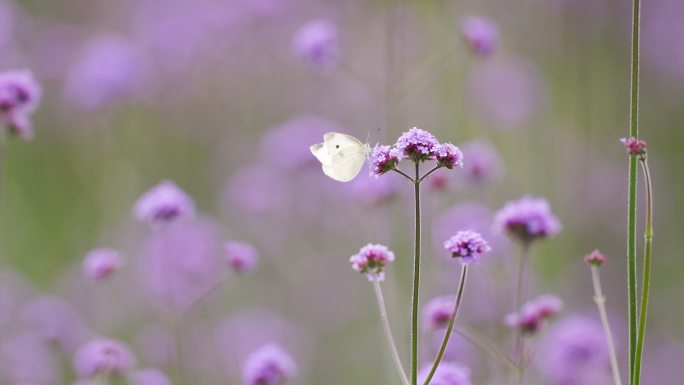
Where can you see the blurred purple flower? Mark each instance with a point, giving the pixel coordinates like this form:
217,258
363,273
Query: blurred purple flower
437,311
55,320
468,246
20,95
595,258
533,315
148,377
505,94
268,365
371,260
108,69
383,159
527,219
483,163
103,357
258,190
417,144
156,345
448,373
27,357
373,191
575,353
241,257
99,264
448,155
481,34
317,43
164,203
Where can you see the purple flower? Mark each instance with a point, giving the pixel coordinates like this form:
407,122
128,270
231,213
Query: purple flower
467,245
527,219
483,165
481,34
532,315
437,312
371,260
595,258
417,144
164,203
27,357
448,155
55,320
448,373
241,257
99,264
317,43
383,159
634,146
103,357
268,365
148,377
20,95
575,353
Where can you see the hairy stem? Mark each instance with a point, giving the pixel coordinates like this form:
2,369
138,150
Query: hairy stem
450,327
646,279
388,333
600,300
416,279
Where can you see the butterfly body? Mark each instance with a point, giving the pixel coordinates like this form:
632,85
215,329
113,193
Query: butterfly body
342,156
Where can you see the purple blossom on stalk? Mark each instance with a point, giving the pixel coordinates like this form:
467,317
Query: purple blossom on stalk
634,146
467,245
148,377
448,155
595,258
268,365
383,159
448,373
103,357
417,145
241,257
437,312
317,43
532,315
164,203
371,260
99,264
483,165
481,35
527,219
20,95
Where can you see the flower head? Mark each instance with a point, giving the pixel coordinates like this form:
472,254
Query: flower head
241,257
164,203
383,159
527,219
317,43
448,373
532,316
20,95
481,34
99,264
103,356
448,155
634,146
417,145
467,245
268,365
595,258
438,311
371,260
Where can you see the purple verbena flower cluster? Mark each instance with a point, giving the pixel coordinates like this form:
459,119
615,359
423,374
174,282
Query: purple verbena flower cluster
467,245
268,365
241,257
164,203
533,315
527,219
371,261
20,95
481,35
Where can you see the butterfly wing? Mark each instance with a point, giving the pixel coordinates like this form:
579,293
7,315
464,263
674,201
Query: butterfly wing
342,156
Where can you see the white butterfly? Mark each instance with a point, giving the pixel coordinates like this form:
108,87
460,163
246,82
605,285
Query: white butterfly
342,155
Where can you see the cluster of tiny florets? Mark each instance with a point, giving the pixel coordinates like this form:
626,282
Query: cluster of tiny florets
533,315
468,246
19,97
448,155
268,365
634,146
437,312
595,258
527,219
371,261
383,159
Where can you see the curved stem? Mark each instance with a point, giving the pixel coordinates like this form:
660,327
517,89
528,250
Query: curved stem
600,300
450,327
388,333
416,280
429,172
405,175
646,279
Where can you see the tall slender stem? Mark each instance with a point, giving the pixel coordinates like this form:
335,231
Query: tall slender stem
388,333
3,159
450,327
600,300
520,297
632,206
646,279
416,280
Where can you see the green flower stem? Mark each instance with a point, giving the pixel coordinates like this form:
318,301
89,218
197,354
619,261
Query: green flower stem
600,300
450,327
520,297
416,279
646,279
388,333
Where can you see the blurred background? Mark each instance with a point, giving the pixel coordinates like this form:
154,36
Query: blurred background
224,98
